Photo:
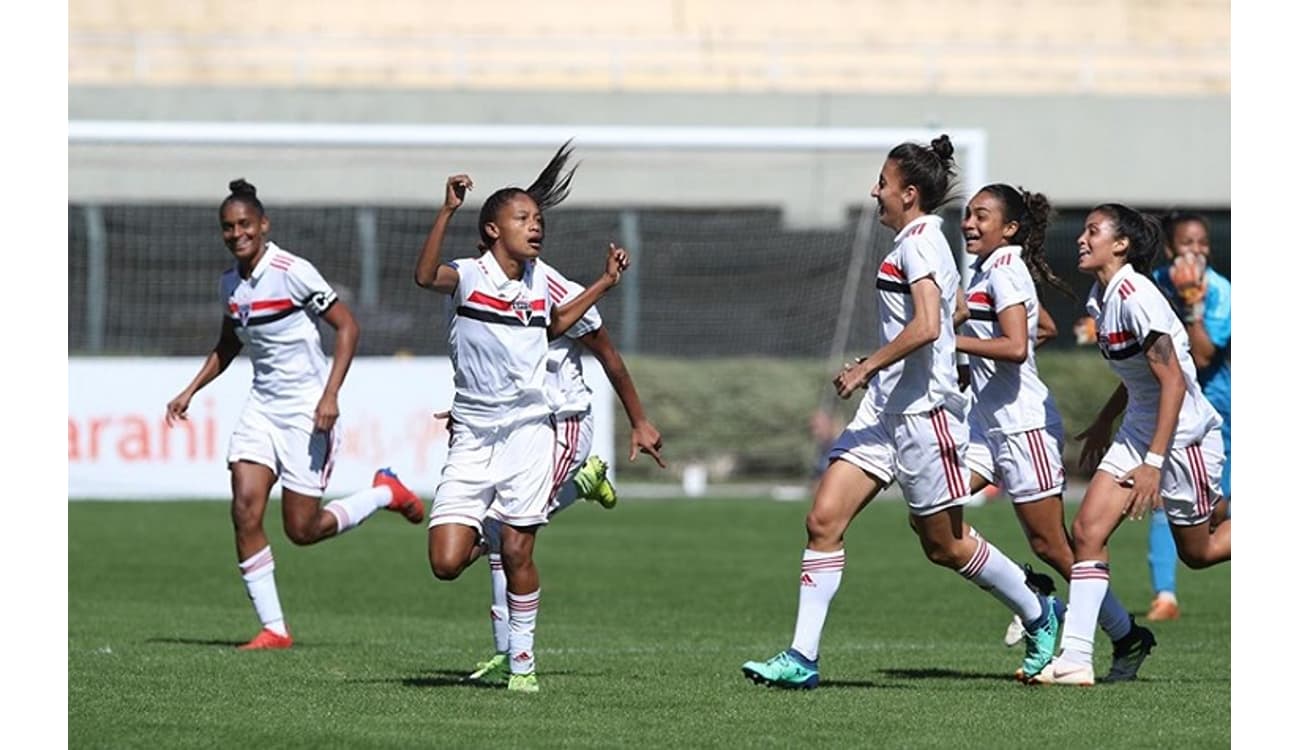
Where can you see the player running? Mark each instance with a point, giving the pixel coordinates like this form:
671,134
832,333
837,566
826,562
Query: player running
271,300
1168,449
1016,431
499,462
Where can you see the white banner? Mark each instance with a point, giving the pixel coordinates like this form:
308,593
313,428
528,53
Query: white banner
119,446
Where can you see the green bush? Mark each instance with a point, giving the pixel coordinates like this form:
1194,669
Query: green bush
747,418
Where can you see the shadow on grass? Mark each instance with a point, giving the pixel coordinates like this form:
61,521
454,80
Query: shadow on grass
195,642
833,684
448,678
944,674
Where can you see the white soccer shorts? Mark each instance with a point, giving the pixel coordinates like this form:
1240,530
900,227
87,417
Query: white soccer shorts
501,473
1027,465
573,436
1189,483
290,446
923,452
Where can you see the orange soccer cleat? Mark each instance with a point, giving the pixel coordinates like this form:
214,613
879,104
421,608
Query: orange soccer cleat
268,639
404,500
1163,608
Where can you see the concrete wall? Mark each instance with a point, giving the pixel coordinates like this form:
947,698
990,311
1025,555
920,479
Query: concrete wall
1080,150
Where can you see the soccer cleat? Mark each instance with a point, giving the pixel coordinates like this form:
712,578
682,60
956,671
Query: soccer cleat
1129,653
267,639
1015,631
1040,644
1163,608
492,670
1062,672
404,500
787,669
593,483
523,683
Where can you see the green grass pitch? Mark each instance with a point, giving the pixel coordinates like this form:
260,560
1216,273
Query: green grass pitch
647,613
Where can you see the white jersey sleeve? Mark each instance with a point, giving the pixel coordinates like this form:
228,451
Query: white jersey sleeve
1144,314
918,261
1007,287
308,288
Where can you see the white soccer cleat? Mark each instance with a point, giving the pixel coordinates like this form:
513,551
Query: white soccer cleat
1061,672
1015,632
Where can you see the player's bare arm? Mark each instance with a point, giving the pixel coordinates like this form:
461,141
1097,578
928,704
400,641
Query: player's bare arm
430,272
340,318
1163,361
961,312
1046,327
1011,346
616,262
645,436
921,330
227,348
1096,437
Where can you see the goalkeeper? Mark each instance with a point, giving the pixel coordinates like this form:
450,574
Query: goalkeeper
1201,296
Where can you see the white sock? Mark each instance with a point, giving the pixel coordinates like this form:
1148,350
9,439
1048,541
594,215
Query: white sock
523,621
1114,619
819,579
994,572
350,511
1089,580
259,579
500,612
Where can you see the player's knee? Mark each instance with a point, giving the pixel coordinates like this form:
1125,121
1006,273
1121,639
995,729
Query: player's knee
516,553
1087,540
303,533
444,568
246,514
1195,557
1051,551
822,527
945,555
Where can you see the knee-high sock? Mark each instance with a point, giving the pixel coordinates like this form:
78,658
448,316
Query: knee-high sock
819,579
994,572
350,511
259,579
1089,580
523,622
500,611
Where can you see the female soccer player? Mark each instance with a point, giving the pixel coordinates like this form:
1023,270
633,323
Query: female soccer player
1016,431
910,426
499,464
1203,298
1168,449
575,475
272,300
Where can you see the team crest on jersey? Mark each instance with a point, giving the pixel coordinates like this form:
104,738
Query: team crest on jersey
244,309
523,310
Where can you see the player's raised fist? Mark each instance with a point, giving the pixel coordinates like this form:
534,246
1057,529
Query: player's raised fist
1188,276
457,184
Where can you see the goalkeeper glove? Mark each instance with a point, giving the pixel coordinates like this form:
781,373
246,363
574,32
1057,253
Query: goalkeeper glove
1188,276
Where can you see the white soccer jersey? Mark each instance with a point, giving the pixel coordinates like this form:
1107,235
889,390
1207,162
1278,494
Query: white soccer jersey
567,390
1009,397
497,342
275,311
1129,310
927,377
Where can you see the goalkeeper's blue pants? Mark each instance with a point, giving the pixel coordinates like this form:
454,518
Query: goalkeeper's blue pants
1162,555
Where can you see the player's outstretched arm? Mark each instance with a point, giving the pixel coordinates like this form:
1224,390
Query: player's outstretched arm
227,348
1011,346
339,316
430,273
645,436
564,316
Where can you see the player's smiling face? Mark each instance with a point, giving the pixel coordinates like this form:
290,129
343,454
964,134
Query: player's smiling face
519,228
892,196
244,231
984,227
1099,244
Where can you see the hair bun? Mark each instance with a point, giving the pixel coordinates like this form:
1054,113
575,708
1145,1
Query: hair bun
942,147
242,187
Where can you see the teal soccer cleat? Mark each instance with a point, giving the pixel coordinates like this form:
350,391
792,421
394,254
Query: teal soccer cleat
1040,644
788,669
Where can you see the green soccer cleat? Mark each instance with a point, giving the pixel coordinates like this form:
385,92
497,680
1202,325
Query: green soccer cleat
523,683
492,670
788,669
593,483
1129,653
1040,644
